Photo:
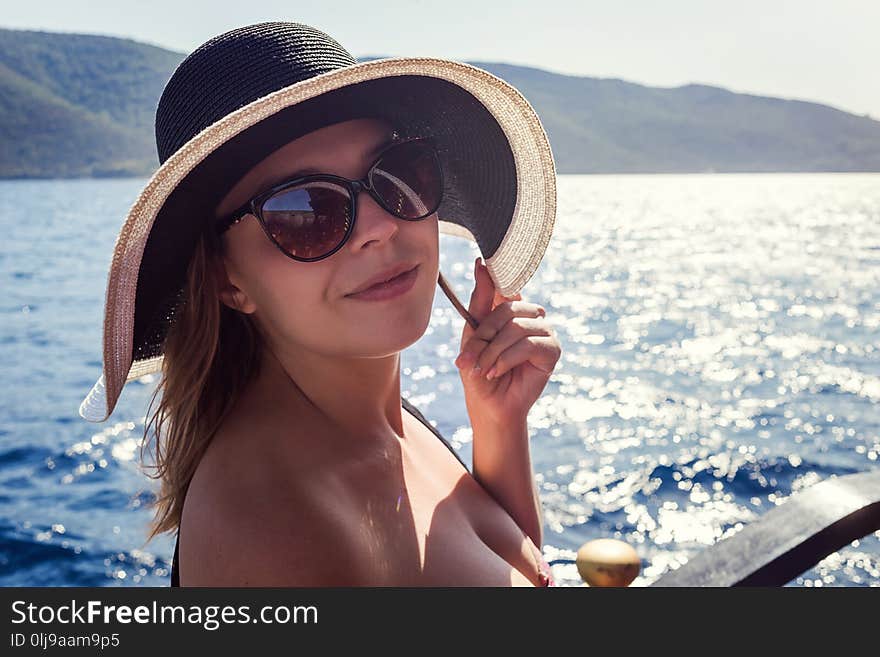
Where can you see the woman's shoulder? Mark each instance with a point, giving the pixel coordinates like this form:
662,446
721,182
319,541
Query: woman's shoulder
251,520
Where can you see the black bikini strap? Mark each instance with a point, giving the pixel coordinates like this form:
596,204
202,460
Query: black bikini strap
175,576
412,409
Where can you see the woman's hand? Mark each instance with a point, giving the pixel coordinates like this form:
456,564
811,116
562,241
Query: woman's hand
514,345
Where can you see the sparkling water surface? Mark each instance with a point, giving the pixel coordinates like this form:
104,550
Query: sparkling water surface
721,351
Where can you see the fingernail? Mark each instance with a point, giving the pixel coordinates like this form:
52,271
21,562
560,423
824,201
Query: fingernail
491,373
475,372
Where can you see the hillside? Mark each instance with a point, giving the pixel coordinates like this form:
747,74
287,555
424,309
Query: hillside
74,105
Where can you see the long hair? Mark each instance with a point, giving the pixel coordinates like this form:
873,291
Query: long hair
211,352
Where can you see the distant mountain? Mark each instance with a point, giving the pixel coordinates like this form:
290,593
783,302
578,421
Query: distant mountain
74,105
608,125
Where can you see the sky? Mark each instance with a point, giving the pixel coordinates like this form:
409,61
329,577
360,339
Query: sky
827,52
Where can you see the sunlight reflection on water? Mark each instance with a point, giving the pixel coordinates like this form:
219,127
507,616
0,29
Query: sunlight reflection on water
720,352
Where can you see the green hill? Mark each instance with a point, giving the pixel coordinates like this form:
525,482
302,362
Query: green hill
75,105
608,125
78,105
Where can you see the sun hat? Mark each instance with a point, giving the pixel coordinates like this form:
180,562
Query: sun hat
245,93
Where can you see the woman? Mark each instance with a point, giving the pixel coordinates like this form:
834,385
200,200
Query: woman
286,453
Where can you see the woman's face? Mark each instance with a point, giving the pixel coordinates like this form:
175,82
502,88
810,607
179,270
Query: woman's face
304,304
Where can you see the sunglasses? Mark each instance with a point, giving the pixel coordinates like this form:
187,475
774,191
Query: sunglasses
311,217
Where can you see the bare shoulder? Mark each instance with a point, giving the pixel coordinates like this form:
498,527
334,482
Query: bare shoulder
251,520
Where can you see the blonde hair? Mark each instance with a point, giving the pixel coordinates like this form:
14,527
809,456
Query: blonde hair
211,352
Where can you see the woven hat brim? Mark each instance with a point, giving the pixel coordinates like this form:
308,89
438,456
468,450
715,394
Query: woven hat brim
511,265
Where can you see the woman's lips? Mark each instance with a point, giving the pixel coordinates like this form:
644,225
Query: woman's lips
391,289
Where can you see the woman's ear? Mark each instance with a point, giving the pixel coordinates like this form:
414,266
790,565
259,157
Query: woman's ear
229,293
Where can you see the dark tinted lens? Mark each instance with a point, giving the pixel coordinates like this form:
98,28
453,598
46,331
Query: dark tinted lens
309,220
408,179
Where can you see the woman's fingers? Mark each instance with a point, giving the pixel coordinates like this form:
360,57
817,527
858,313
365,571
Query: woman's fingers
506,324
538,350
514,331
503,313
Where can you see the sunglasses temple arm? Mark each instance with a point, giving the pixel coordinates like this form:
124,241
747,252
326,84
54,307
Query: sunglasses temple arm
447,290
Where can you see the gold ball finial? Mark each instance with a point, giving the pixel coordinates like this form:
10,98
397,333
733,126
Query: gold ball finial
608,562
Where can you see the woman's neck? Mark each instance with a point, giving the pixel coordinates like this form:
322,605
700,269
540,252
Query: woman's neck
361,396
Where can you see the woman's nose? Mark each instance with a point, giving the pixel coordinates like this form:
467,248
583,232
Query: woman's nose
372,221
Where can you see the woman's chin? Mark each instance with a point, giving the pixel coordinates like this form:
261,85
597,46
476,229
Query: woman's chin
390,332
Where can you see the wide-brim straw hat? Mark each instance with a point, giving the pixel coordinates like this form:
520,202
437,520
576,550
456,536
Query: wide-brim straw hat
247,92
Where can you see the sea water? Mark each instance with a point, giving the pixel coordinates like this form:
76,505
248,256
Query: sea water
721,352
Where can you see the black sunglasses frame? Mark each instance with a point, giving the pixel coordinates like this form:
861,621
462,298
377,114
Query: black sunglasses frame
255,205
